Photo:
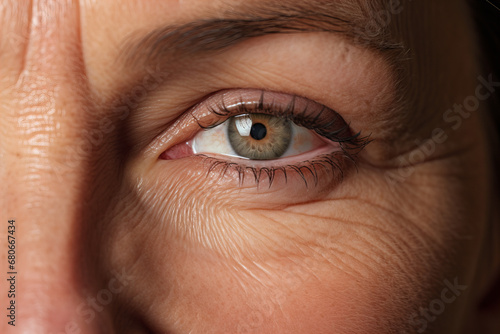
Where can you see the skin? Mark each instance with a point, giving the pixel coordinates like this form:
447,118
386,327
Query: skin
111,239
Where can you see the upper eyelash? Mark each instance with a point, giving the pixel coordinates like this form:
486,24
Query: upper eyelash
350,144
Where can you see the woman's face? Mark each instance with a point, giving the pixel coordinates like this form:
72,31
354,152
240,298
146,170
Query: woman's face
136,212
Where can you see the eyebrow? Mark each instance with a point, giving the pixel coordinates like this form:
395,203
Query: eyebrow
206,36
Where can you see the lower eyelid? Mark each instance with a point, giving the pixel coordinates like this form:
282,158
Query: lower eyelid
325,171
266,187
287,161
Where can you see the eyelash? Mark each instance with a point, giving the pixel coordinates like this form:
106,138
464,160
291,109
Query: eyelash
350,144
270,172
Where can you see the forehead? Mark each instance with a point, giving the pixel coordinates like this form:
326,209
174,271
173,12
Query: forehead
434,36
431,34
108,26
105,26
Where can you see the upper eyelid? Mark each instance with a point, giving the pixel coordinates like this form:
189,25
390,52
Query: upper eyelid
292,107
249,100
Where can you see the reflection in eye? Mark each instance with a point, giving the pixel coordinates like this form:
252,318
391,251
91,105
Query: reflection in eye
257,137
261,132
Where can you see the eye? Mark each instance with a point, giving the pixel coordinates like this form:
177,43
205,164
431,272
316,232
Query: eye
257,137
260,132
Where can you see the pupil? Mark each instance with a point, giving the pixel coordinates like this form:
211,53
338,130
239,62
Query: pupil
258,131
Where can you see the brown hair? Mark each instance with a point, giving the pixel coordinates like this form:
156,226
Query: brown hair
487,18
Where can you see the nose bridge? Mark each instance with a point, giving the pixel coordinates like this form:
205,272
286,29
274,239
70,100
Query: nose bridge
46,169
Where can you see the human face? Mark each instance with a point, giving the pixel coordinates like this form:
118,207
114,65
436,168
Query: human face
121,227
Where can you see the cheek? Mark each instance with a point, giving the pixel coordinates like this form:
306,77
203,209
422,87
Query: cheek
241,271
363,259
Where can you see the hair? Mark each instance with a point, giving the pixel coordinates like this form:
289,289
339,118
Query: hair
487,18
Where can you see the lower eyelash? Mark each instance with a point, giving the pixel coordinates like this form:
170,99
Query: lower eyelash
306,170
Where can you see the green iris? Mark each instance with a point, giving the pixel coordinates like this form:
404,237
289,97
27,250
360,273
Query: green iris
259,136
